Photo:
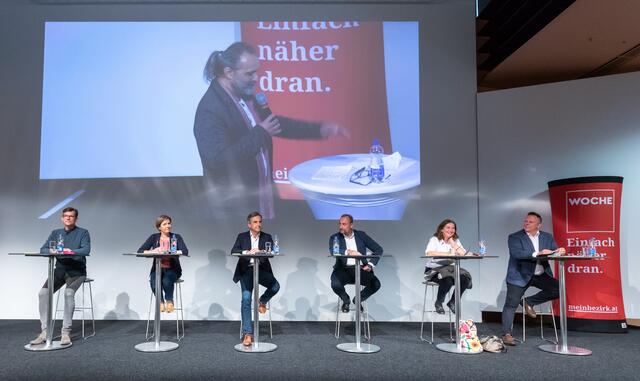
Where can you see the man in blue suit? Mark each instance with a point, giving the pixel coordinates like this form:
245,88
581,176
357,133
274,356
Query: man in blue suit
353,242
528,267
251,242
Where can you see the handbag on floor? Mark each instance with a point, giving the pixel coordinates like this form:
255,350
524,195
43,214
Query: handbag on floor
493,344
469,341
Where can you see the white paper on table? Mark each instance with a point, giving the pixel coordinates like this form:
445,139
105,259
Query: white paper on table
332,173
392,162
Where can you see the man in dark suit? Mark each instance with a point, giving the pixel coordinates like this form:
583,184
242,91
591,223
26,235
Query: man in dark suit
234,135
528,267
251,242
353,242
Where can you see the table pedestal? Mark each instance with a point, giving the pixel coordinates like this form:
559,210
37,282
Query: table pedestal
358,346
455,347
562,348
157,345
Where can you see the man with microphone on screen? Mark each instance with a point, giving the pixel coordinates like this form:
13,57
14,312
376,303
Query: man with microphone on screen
234,128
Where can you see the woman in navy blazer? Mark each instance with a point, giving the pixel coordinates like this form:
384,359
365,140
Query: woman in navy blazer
171,270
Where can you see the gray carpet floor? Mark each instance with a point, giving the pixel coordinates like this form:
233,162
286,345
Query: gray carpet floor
306,351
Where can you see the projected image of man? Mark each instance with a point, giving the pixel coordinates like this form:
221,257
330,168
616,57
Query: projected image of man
234,133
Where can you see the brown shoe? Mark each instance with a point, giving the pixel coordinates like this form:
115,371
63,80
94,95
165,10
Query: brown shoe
262,308
247,340
162,307
528,309
169,306
508,340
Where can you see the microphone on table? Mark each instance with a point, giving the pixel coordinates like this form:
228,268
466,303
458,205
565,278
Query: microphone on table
262,105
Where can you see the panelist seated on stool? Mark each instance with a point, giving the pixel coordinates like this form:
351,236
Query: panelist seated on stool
251,242
441,271
171,270
353,242
70,270
526,269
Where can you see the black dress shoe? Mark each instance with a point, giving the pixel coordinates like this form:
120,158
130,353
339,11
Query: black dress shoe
345,307
354,302
439,308
452,305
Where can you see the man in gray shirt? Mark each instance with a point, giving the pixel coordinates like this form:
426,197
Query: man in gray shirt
70,270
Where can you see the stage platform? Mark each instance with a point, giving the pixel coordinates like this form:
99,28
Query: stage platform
306,351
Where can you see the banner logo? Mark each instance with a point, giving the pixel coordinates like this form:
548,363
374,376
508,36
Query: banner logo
590,211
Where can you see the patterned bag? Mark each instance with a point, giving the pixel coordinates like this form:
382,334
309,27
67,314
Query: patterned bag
493,344
469,336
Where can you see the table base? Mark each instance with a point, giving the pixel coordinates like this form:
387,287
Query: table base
256,348
570,351
354,348
55,345
151,347
454,348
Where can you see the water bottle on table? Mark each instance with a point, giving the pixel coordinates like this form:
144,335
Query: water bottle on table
376,164
173,248
482,247
276,245
60,244
336,246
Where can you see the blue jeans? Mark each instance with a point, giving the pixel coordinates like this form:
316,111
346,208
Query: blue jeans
168,278
267,280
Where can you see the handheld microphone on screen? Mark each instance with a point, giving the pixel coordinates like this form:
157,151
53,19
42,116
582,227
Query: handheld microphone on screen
262,106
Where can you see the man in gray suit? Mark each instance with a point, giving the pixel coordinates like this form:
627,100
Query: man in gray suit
528,267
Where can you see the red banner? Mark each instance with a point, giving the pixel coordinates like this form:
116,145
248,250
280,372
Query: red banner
586,209
322,71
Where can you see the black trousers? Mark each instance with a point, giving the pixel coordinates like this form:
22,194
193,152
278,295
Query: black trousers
549,290
347,275
445,284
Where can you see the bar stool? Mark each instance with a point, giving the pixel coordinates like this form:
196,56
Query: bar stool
365,327
541,314
177,310
270,325
82,308
433,286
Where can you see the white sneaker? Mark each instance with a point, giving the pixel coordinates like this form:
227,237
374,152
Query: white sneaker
41,339
65,338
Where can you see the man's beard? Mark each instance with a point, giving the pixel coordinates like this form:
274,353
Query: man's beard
244,92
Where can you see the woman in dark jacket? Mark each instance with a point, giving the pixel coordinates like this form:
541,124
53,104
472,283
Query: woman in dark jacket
170,267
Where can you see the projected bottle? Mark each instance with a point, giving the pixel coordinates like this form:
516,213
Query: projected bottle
336,246
276,246
174,244
592,247
376,165
60,244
